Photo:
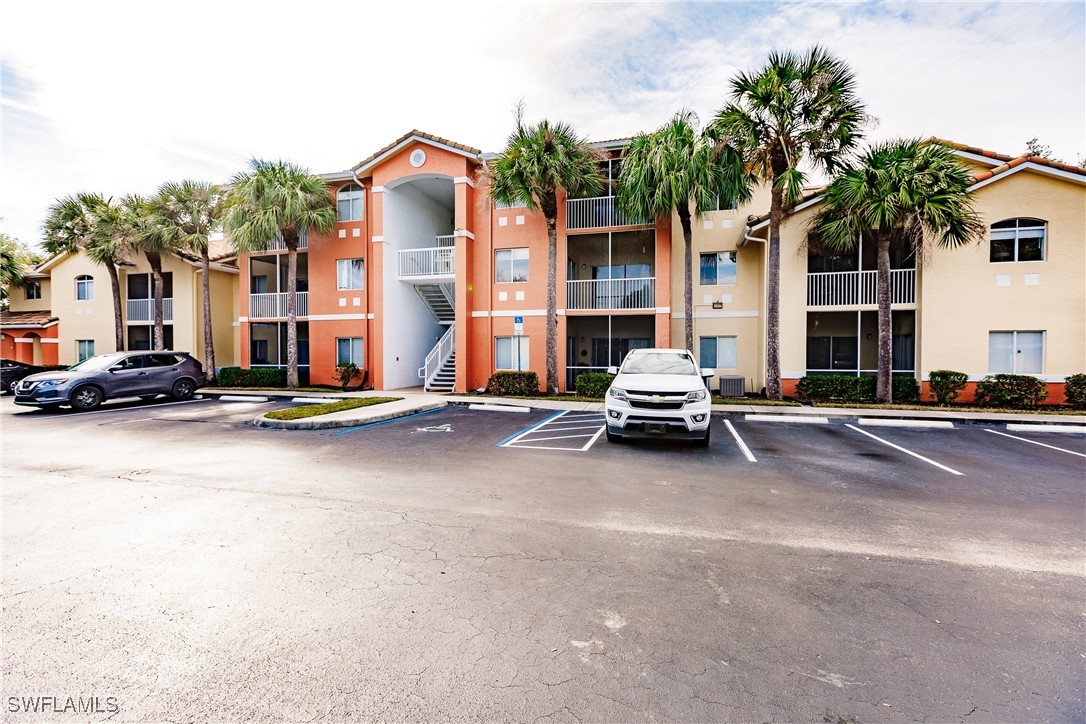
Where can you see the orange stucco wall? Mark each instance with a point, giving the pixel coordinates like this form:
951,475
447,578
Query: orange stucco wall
33,346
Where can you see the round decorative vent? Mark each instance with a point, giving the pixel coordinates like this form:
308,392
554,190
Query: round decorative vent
418,157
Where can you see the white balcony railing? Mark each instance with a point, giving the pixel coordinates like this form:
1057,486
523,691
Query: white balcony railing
143,310
857,288
277,244
638,293
272,306
596,213
436,261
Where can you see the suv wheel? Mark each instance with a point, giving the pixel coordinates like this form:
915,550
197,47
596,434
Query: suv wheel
86,398
183,389
11,386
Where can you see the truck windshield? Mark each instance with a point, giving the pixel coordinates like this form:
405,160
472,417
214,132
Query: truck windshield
660,363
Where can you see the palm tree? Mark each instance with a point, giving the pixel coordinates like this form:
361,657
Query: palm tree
667,170
538,161
796,109
899,192
185,213
72,225
277,199
16,261
132,224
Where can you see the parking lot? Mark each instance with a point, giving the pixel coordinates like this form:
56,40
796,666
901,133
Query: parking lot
517,566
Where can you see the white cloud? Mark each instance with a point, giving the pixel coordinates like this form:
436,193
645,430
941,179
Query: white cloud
120,96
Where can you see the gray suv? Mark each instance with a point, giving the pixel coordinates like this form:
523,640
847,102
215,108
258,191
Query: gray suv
86,385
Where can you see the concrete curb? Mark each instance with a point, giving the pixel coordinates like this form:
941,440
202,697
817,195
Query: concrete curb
320,422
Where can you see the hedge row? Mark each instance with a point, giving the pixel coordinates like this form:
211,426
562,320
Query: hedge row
255,377
1010,391
593,384
1075,389
848,388
518,384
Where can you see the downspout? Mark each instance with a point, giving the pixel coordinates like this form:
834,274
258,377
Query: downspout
367,247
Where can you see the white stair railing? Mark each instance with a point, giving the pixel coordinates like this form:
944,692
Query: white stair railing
438,355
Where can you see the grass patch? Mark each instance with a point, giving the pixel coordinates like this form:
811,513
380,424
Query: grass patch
302,411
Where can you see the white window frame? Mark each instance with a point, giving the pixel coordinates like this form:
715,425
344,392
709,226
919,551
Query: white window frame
344,269
1016,351
718,283
31,285
719,337
512,255
347,195
1008,234
517,204
732,205
84,349
84,288
519,362
352,353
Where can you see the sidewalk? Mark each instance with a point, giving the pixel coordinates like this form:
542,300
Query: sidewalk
416,401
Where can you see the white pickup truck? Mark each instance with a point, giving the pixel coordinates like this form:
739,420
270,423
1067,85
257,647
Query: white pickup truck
658,392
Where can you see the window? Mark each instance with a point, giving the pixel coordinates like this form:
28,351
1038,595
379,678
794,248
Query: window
349,202
84,349
832,353
84,288
349,351
33,290
719,352
1019,353
518,204
511,353
511,265
718,268
723,204
1018,240
349,274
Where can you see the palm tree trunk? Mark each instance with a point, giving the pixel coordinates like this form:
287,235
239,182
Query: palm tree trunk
156,274
773,297
118,318
209,341
688,276
884,392
552,306
292,311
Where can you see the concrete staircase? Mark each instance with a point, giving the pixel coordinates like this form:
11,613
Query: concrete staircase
439,299
445,379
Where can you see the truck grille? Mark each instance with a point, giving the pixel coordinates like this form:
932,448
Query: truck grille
650,405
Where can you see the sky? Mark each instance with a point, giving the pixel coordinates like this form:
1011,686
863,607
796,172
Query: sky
119,97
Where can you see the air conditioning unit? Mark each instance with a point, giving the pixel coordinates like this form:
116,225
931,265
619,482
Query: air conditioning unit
732,386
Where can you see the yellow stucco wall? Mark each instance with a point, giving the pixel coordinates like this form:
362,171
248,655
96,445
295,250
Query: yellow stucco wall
964,296
81,320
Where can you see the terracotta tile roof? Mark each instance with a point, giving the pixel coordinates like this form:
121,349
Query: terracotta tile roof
26,319
1009,162
436,139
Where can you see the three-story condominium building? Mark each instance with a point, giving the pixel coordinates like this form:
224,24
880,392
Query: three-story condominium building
426,281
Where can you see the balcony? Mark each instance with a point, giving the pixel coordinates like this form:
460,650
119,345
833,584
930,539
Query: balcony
277,244
143,310
611,294
858,288
274,306
435,263
596,213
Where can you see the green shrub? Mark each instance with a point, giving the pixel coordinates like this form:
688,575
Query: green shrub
1010,391
1074,387
906,389
517,384
346,373
593,384
946,385
255,377
849,388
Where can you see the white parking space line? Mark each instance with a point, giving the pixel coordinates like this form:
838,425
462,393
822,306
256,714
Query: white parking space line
152,406
1080,429
739,441
904,450
1034,442
555,427
813,419
881,422
196,414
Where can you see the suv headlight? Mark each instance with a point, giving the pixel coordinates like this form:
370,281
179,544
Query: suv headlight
51,383
617,393
696,395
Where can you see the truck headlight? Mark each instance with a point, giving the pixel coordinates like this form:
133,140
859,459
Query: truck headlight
696,395
617,393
